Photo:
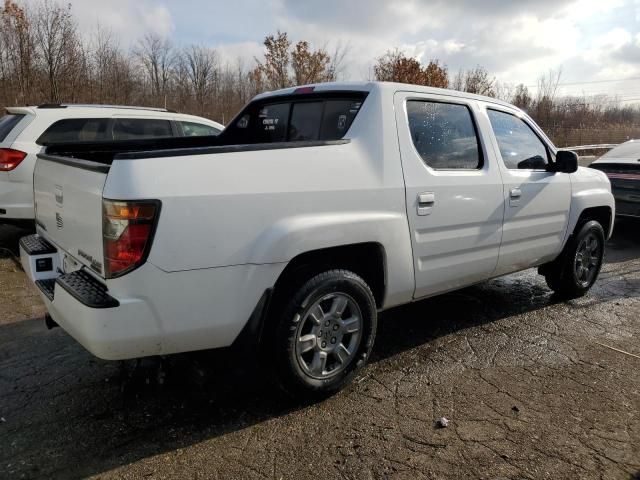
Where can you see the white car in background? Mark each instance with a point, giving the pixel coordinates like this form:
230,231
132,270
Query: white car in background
25,130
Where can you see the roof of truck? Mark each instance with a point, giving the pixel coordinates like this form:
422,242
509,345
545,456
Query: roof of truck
386,86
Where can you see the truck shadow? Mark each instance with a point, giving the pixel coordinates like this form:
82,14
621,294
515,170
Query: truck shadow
67,414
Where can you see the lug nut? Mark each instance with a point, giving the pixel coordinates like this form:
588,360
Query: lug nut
324,344
327,323
333,339
335,327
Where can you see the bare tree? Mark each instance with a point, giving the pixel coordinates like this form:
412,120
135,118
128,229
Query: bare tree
57,44
156,56
18,48
103,56
337,60
522,98
202,70
546,95
548,85
476,80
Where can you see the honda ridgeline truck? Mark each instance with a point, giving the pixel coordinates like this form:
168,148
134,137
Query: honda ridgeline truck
316,208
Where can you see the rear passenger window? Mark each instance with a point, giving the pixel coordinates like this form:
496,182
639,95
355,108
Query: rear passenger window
7,122
139,128
520,147
444,135
75,130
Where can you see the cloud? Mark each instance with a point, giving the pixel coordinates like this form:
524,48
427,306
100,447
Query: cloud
516,41
126,20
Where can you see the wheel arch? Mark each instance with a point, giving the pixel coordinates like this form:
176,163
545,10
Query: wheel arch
602,214
594,203
367,259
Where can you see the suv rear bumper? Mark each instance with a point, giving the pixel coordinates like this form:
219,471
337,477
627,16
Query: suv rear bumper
148,311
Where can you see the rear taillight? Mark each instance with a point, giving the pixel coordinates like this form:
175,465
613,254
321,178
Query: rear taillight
10,159
127,231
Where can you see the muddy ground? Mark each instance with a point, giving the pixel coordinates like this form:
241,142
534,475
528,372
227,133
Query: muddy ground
532,386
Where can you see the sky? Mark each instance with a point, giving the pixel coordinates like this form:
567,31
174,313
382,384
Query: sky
596,43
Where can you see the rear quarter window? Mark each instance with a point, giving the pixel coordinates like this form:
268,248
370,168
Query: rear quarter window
7,122
75,130
295,119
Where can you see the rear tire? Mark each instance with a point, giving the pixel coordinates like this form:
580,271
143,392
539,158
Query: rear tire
575,272
323,333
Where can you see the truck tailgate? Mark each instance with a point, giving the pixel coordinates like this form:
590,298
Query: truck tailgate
68,202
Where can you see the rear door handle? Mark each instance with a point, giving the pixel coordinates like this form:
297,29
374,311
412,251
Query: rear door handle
425,203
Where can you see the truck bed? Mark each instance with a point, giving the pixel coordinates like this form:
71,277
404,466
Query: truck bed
99,156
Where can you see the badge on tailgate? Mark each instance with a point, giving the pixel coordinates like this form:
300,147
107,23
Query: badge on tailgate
59,196
94,264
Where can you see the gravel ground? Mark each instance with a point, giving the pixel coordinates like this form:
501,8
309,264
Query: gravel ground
533,388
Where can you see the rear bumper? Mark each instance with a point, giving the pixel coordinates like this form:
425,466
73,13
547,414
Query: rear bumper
16,200
151,312
109,328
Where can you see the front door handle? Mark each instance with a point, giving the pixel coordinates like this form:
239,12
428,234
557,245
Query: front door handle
426,201
514,197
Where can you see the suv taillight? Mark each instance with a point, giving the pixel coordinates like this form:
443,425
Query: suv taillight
127,231
10,159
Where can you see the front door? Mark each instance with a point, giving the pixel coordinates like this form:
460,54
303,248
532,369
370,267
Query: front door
454,192
537,202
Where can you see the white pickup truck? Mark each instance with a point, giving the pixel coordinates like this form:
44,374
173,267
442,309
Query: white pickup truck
316,208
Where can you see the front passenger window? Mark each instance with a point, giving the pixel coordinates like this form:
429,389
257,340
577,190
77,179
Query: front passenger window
520,147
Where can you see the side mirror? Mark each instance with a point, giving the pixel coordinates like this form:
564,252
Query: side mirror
566,162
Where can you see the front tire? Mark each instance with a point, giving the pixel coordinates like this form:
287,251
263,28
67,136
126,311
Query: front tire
575,272
324,333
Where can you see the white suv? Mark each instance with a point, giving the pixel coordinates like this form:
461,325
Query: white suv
25,130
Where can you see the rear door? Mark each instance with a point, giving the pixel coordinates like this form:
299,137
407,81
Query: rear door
537,202
453,191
